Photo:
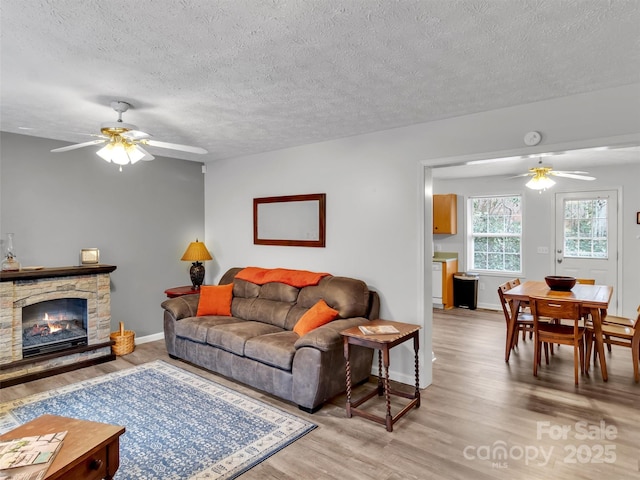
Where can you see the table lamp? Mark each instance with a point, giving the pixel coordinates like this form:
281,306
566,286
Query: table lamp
196,253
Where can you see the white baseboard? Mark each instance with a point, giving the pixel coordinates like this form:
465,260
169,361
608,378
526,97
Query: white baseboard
490,306
400,377
150,338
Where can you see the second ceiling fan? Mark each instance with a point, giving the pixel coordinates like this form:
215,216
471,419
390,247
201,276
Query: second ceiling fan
541,176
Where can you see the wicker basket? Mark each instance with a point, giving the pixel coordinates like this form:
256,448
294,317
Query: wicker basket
124,341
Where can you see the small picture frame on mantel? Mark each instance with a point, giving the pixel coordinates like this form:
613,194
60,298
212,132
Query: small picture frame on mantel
89,256
638,218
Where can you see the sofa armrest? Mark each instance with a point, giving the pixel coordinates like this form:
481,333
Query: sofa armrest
327,337
182,307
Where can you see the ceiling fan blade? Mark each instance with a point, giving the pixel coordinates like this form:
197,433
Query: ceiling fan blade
135,135
79,145
173,146
569,171
44,132
523,175
571,175
147,155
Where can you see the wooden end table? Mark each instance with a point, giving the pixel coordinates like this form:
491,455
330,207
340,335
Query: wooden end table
383,343
179,291
90,451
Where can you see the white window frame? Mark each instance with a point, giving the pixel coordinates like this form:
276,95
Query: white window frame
471,236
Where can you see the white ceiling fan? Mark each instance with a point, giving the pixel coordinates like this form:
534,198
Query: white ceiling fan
541,176
123,141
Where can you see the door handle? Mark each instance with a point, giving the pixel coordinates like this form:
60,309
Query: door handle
559,260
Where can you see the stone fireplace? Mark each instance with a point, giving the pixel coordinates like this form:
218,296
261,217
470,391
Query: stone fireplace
53,320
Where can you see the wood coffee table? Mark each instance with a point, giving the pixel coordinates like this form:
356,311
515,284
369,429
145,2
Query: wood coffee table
90,451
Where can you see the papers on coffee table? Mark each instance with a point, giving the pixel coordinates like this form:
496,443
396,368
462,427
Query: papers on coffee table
28,458
378,329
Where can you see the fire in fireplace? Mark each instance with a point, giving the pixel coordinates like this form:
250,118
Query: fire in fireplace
53,325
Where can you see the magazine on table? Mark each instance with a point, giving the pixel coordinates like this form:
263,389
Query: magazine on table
378,329
29,458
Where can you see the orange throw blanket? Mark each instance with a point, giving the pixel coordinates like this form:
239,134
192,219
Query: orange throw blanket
295,278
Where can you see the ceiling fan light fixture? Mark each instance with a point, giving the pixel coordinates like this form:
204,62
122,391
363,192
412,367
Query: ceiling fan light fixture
134,153
120,153
540,182
116,128
105,152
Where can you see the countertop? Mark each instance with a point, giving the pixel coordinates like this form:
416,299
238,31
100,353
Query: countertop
444,256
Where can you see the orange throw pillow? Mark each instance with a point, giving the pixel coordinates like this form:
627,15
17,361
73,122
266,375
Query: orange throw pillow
215,300
315,317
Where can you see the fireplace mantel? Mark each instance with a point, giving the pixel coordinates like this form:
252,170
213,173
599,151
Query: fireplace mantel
51,272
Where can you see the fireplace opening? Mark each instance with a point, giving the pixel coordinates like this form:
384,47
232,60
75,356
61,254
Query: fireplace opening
54,325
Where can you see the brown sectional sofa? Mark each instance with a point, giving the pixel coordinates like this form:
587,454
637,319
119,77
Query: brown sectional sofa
257,346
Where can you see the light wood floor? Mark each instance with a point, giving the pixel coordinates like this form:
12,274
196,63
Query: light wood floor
476,404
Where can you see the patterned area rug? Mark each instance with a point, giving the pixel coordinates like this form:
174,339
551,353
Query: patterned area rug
178,424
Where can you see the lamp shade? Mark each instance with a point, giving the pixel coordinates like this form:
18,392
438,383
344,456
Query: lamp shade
196,252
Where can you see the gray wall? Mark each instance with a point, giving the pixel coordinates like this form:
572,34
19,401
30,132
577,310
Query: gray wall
141,219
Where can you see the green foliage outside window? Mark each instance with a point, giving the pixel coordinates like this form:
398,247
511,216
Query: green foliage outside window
585,228
497,233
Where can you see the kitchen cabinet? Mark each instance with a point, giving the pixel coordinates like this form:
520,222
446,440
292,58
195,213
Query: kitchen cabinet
442,288
445,214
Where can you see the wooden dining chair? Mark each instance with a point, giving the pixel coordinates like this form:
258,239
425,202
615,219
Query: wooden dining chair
618,331
524,309
525,320
557,333
585,313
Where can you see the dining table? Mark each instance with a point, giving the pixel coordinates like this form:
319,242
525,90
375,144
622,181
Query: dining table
592,298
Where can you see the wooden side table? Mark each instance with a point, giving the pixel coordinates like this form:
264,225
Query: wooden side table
382,343
179,291
90,451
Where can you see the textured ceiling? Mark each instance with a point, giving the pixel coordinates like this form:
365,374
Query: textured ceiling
245,76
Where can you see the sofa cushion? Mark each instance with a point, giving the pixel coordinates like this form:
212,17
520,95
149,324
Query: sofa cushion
261,310
196,328
276,349
315,317
233,336
215,300
244,289
293,316
279,292
347,295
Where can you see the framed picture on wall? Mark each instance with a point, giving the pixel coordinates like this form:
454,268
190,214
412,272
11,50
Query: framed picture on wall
292,220
89,256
